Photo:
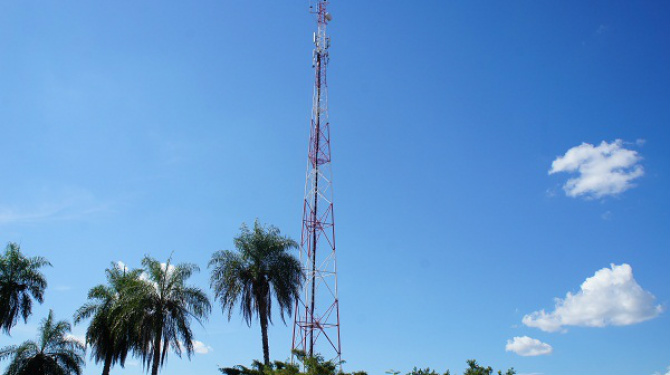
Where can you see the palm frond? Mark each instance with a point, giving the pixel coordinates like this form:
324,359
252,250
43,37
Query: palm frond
53,353
20,282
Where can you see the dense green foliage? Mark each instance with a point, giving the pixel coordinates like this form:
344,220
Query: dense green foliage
316,365
20,279
53,354
311,365
426,371
261,268
475,369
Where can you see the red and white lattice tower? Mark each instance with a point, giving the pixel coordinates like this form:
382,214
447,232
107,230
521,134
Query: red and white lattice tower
316,329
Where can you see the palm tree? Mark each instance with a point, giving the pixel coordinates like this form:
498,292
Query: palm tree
160,306
53,354
261,268
20,278
108,334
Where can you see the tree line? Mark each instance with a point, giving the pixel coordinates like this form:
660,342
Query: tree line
316,365
147,312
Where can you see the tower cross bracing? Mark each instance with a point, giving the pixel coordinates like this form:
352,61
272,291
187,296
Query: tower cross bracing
316,328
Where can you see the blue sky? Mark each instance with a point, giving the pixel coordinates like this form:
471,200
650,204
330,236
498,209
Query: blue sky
133,128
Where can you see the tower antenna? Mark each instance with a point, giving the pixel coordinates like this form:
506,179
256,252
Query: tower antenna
316,328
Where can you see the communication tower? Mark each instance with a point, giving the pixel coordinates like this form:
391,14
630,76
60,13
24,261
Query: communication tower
316,328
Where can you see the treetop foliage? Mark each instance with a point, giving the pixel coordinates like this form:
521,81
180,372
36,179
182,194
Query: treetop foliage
426,371
312,365
316,365
476,369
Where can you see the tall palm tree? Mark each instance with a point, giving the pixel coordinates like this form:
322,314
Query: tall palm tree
108,334
160,306
261,268
20,279
53,354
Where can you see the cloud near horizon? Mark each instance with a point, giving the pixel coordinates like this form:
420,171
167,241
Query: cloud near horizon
610,297
606,169
528,347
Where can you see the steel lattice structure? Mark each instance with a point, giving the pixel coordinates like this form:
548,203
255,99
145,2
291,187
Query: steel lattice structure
316,328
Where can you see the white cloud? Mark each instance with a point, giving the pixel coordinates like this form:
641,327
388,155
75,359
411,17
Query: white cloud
144,276
610,297
607,169
667,372
79,338
122,266
528,347
201,348
170,269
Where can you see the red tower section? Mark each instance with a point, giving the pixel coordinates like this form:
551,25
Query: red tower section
316,328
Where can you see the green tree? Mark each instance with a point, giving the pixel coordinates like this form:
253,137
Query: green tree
53,354
475,369
20,279
312,365
160,307
260,269
316,365
426,371
108,333
257,368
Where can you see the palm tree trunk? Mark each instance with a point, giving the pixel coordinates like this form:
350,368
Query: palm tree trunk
264,333
108,364
157,351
